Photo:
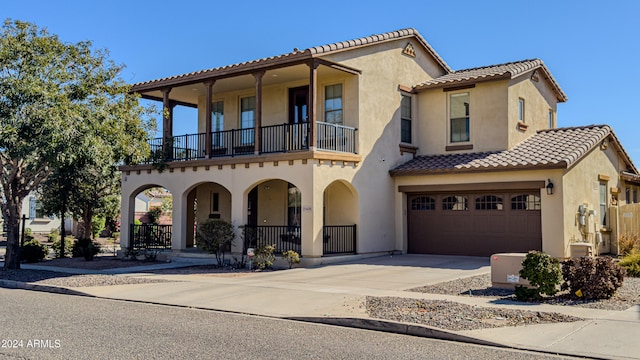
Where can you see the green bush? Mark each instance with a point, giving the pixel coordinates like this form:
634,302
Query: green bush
292,257
28,232
53,236
264,257
543,273
137,222
86,248
592,278
154,215
631,263
97,225
33,251
68,245
214,236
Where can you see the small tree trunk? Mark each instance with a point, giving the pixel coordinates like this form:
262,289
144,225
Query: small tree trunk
12,218
62,234
87,219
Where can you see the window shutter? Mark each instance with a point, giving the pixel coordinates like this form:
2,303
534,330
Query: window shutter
32,208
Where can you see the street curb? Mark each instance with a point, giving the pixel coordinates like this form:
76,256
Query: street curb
398,328
10,284
357,323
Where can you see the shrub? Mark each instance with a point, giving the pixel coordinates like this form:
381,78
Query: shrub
629,244
292,257
53,236
86,248
631,263
592,278
214,236
33,251
154,215
28,232
97,225
137,222
68,245
264,257
543,273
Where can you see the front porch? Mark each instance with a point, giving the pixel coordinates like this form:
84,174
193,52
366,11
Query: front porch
269,212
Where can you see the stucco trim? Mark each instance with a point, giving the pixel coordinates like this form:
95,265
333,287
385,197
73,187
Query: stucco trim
474,187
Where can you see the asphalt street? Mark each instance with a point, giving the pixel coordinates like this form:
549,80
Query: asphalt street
38,325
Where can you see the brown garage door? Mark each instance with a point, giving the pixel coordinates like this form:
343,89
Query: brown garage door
476,224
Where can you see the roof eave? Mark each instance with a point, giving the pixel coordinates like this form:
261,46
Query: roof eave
559,165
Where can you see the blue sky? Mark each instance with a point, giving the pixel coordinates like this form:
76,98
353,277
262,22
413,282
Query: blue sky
591,47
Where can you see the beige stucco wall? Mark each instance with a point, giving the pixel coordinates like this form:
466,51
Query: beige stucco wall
581,184
38,225
539,99
487,119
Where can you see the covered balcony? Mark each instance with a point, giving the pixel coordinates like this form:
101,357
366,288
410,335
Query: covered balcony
296,103
273,139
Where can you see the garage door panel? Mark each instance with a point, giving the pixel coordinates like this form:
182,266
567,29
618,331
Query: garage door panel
477,231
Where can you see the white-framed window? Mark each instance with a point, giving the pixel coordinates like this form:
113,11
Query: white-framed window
459,106
550,119
333,104
217,122
521,109
247,119
405,119
603,204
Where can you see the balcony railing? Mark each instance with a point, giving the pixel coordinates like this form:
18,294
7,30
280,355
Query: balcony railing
275,139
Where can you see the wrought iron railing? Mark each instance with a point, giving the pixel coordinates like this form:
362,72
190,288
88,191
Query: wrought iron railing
340,239
283,238
334,137
274,138
150,236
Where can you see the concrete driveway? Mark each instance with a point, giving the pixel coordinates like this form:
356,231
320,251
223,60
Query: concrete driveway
336,289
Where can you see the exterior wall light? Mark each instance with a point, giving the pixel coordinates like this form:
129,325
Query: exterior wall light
549,187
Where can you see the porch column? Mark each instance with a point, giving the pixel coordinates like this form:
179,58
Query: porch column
127,214
258,126
312,221
167,123
207,108
313,95
179,221
238,217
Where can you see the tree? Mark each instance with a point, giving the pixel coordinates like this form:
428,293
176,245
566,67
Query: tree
54,99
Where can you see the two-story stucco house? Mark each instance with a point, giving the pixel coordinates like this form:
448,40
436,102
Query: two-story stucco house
375,145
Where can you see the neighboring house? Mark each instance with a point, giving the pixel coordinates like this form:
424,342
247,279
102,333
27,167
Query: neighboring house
146,201
375,145
36,219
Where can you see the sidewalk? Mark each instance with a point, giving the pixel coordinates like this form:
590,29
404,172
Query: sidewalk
335,294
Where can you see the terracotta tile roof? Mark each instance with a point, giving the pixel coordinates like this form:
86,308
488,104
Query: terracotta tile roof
493,72
547,149
292,57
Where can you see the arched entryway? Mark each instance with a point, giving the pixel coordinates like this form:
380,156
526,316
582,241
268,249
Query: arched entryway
149,219
205,201
340,216
273,213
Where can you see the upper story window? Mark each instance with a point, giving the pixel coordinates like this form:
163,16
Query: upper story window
248,112
521,109
333,104
405,119
217,116
627,195
459,117
550,119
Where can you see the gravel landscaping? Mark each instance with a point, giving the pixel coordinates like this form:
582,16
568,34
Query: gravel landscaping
54,278
455,316
627,295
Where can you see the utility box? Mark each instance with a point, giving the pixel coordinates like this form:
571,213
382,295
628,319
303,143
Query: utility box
505,270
